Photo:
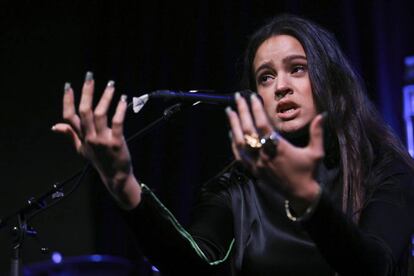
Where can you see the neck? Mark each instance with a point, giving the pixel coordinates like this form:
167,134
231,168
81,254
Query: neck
299,138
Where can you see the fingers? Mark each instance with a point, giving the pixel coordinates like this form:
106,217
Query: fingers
91,123
100,113
316,137
235,151
68,130
119,116
243,123
246,120
69,111
262,122
236,130
85,107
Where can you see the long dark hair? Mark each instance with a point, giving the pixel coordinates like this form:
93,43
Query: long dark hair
363,143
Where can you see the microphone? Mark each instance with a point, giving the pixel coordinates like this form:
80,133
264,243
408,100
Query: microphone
195,96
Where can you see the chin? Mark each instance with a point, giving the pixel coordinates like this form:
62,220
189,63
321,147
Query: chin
290,126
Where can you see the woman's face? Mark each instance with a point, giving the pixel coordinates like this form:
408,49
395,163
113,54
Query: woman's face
282,80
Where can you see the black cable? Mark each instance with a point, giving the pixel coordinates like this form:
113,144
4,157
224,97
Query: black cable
82,174
40,205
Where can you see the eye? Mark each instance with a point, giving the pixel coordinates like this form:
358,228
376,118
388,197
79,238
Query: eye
265,79
296,69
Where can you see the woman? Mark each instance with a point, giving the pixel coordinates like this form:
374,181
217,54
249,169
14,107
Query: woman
310,194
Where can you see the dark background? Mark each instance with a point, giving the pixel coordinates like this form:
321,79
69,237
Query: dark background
143,46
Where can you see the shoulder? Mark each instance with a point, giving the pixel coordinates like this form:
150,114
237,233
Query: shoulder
395,167
389,164
392,178
233,174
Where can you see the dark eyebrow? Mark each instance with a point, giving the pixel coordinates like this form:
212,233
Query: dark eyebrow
269,64
292,57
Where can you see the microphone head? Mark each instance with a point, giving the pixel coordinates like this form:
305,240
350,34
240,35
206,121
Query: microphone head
211,98
139,102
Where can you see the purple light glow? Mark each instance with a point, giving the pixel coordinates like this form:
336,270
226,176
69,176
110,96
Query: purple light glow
57,257
96,258
408,98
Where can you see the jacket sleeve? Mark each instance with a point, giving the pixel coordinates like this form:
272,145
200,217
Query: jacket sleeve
203,249
379,244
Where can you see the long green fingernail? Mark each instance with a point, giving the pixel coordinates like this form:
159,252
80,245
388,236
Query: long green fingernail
253,97
88,76
111,83
228,110
67,86
237,96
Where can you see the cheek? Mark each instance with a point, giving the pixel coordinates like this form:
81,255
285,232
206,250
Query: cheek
308,98
268,101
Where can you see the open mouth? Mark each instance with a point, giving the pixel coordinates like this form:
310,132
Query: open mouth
286,108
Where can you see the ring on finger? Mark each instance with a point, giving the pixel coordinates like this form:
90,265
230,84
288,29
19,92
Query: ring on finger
269,144
253,145
252,141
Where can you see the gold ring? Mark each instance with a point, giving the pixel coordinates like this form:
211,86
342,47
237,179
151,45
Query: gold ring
253,141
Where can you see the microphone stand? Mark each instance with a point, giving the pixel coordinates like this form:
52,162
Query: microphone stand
34,206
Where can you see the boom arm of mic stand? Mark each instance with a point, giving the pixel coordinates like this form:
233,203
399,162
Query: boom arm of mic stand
35,206
39,203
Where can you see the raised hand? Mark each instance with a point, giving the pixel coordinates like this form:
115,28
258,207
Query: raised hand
291,168
103,146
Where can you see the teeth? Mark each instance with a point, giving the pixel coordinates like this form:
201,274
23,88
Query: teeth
290,110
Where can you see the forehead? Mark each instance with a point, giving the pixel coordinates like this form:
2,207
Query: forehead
276,48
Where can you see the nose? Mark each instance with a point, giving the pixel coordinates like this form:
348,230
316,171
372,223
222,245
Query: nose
282,87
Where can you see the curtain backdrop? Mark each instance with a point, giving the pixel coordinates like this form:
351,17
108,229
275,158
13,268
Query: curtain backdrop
144,46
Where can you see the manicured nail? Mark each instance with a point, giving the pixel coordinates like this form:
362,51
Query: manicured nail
228,110
53,128
67,86
88,76
253,97
237,96
124,98
111,83
230,135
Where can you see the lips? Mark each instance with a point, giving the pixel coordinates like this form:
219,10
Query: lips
287,110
